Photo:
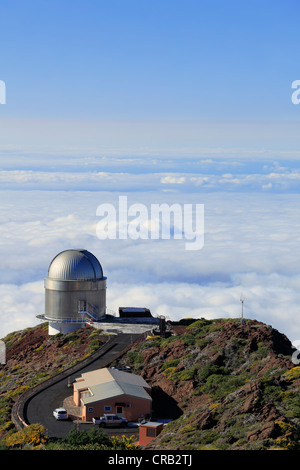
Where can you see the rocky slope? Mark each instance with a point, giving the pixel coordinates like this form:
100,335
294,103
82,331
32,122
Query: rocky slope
227,386
33,356
230,387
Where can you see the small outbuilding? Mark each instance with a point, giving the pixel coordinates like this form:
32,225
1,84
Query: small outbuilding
149,431
134,312
112,391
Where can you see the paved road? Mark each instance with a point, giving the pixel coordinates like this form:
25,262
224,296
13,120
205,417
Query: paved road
40,407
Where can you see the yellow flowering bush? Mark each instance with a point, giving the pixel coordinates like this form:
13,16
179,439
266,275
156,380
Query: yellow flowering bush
293,373
34,435
215,407
18,391
123,442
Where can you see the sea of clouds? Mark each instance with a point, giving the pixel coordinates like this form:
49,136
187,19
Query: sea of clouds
251,240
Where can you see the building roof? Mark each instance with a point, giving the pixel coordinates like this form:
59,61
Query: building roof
151,424
113,389
106,383
72,265
105,375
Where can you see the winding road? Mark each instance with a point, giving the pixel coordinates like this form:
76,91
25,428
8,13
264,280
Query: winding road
39,408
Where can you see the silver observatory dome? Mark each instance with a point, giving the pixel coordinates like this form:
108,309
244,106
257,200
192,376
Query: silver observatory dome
75,291
75,265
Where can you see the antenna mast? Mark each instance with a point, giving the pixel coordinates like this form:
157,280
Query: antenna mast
242,299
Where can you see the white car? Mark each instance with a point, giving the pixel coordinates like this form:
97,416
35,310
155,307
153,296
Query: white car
60,413
110,420
124,368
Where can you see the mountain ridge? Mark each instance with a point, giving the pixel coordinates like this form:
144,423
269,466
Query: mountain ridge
233,386
225,386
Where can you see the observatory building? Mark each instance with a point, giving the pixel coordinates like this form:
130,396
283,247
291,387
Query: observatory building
75,291
75,294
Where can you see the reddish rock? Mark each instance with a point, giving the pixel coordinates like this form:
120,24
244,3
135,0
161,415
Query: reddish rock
267,431
206,420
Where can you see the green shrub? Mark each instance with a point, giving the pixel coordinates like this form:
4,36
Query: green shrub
95,439
135,358
292,404
94,345
153,342
72,337
209,436
7,426
188,374
18,391
199,328
221,385
189,428
293,374
171,363
80,438
211,369
262,351
183,375
3,445
94,333
169,372
202,343
188,339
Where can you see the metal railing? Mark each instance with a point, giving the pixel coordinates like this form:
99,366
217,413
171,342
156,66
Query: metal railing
60,320
84,307
110,312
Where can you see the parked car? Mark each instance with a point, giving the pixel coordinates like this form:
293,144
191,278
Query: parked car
123,368
60,413
110,420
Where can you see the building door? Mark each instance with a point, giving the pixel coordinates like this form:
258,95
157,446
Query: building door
119,411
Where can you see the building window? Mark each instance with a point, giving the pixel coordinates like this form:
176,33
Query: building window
150,432
90,409
107,408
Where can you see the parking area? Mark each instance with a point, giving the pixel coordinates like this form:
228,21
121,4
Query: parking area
39,408
74,413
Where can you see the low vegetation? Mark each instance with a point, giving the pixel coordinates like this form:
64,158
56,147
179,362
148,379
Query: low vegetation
225,386
33,356
34,437
234,387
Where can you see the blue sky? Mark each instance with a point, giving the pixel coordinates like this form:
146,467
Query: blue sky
140,60
149,76
184,101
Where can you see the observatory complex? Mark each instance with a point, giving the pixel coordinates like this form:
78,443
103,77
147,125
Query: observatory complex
75,294
75,291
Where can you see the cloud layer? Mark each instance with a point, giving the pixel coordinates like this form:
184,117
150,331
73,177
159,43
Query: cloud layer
251,247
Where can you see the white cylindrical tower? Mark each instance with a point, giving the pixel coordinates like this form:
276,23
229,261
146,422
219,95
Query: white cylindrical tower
75,291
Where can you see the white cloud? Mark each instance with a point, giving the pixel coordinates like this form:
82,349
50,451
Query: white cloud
265,300
20,304
251,241
173,179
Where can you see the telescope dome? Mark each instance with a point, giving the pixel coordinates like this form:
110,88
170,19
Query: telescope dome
75,265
